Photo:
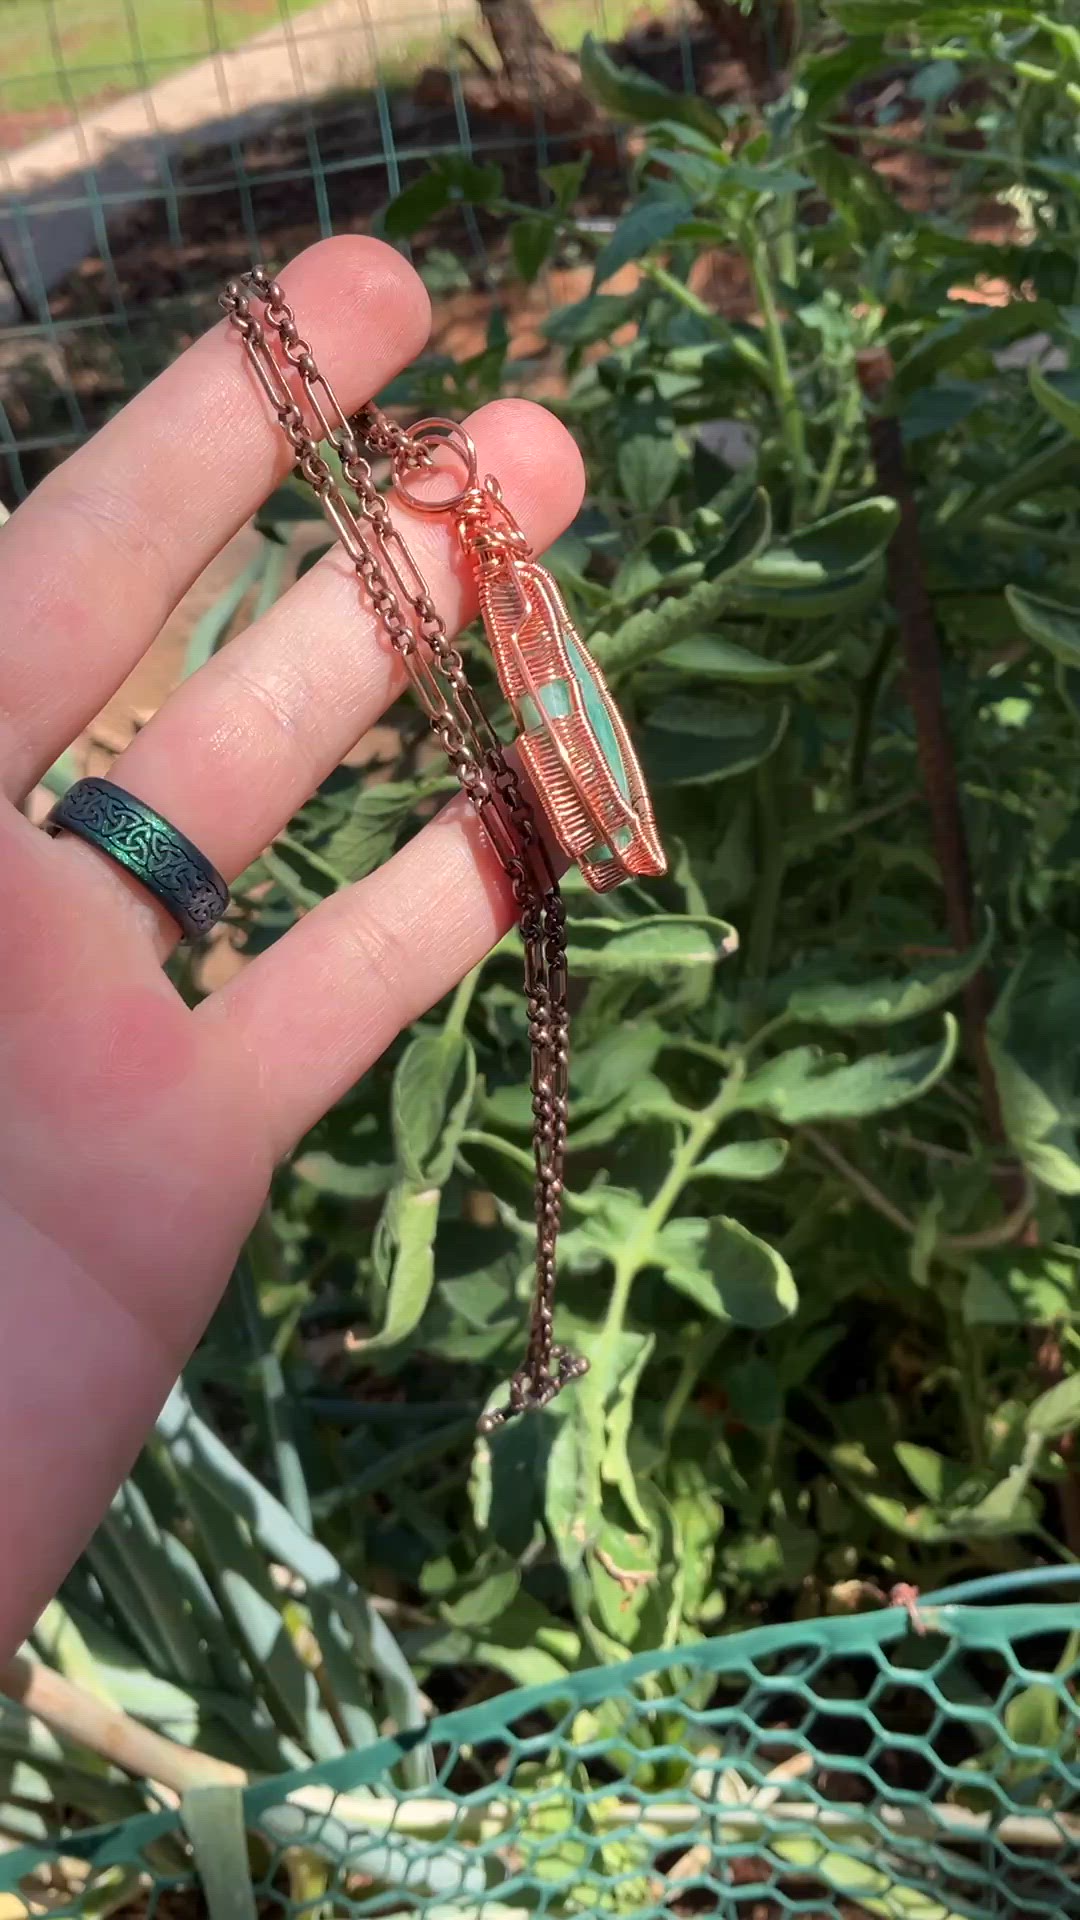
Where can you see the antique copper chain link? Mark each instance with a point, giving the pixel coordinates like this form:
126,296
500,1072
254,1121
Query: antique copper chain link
436,669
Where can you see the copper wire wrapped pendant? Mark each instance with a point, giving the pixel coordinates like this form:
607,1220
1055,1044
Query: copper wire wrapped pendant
573,741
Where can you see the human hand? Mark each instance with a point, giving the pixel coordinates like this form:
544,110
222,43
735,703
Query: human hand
140,1135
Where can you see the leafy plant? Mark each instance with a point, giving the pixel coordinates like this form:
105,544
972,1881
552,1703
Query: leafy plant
827,561
821,1210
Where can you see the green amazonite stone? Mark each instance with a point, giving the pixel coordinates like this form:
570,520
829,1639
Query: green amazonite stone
555,702
599,717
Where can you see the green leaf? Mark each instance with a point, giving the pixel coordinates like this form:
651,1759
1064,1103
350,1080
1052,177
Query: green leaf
884,16
477,183
600,948
527,1644
429,1104
365,836
362,1181
690,741
290,503
859,195
848,593
829,77
1032,1038
1056,1411
830,549
1057,395
1033,1718
934,410
728,1271
565,180
65,1647
647,224
1007,1508
595,318
204,1460
213,1820
743,1160
804,1084
416,205
647,459
644,635
831,567
1050,623
883,1003
130,1545
633,1355
572,1498
405,1261
634,96
531,241
937,1479
715,659
454,178
971,329
241,1579
772,179
615,1062
212,628
1019,1287
485,1600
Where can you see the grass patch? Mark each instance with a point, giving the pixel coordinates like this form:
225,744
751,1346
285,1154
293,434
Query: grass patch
53,52
59,52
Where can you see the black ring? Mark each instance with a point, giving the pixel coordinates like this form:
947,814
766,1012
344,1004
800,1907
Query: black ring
167,863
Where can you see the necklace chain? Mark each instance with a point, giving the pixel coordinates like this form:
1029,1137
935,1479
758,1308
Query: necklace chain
435,666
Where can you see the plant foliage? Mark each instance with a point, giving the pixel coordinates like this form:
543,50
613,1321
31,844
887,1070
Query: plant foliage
825,1272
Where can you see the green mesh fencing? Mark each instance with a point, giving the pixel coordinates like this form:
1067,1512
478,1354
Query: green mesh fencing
151,148
872,1765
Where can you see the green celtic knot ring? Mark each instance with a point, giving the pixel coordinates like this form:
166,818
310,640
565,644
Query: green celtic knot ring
163,859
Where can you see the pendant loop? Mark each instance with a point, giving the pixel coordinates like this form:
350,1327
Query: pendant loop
432,436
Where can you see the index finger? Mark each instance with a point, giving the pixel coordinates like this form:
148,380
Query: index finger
104,549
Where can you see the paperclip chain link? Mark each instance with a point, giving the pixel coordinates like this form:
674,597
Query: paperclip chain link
436,668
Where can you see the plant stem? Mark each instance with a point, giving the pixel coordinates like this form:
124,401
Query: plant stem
785,243
922,658
694,1362
1001,1233
770,876
314,860
860,1182
678,290
792,425
869,689
846,429
638,1248
108,1731
464,994
1025,535
933,149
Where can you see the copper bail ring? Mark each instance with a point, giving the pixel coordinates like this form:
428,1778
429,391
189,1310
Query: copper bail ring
431,436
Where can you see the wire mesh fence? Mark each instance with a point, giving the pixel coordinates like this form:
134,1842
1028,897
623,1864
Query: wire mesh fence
919,1768
149,148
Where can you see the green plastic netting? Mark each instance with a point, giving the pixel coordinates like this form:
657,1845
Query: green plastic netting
843,1767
